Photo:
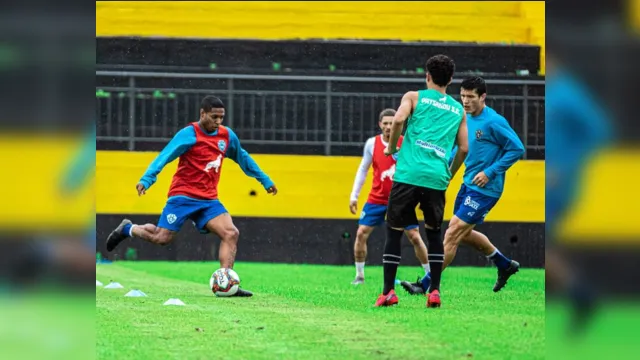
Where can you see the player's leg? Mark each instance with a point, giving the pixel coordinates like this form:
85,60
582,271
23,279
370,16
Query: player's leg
432,205
360,252
413,234
560,274
421,286
400,214
506,267
472,207
174,214
417,288
222,225
215,218
371,216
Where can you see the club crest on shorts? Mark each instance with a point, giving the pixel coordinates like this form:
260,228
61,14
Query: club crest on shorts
222,145
478,134
171,218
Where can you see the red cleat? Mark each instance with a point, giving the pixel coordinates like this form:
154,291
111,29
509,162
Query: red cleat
433,299
390,299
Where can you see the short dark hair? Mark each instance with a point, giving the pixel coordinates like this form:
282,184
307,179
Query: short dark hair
475,83
211,102
441,69
386,112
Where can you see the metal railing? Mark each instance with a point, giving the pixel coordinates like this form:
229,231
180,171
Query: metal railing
278,109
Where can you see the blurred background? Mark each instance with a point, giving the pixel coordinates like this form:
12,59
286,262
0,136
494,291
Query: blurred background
303,83
592,162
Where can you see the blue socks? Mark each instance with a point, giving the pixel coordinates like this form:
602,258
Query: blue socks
501,261
126,230
426,281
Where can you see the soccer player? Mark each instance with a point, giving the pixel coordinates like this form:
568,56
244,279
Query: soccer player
577,127
436,121
493,148
202,147
375,209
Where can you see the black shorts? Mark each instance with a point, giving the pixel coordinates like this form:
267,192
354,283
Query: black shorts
403,199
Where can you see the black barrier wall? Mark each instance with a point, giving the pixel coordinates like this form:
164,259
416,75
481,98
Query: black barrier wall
314,241
320,55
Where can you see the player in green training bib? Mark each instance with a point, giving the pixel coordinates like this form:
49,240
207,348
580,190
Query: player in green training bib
436,122
430,136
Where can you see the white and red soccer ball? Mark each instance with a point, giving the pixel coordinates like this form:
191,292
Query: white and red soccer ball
224,282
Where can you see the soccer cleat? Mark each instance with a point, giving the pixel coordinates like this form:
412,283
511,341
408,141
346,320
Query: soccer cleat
391,299
116,236
433,299
413,288
359,280
243,293
505,274
584,305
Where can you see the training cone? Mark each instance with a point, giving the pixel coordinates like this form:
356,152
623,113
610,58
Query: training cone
114,285
177,302
135,293
98,283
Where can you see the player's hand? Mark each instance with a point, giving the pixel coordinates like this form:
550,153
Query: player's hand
481,179
353,206
141,189
388,151
272,190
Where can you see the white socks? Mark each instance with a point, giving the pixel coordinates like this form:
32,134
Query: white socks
360,269
427,268
131,230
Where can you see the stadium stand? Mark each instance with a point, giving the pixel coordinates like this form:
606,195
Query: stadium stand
510,22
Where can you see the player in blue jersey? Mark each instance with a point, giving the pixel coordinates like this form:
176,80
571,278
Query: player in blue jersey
493,148
576,128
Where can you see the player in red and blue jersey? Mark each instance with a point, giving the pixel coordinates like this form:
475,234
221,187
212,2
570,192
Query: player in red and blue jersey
493,148
375,209
202,147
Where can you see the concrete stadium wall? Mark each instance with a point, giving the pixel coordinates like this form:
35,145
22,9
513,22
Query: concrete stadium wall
495,21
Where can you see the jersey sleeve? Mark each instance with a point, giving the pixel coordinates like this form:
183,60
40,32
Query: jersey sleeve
591,120
82,165
363,169
512,148
245,161
181,143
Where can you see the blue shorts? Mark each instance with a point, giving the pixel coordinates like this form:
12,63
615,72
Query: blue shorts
374,214
180,208
471,206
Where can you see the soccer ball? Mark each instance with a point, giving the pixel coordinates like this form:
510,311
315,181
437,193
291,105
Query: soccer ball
224,282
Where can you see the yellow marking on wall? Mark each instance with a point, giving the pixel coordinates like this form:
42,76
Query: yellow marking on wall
309,187
30,185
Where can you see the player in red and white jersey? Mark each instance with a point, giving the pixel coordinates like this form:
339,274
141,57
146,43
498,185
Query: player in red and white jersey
374,210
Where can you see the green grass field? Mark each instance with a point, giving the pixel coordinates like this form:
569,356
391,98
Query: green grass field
313,312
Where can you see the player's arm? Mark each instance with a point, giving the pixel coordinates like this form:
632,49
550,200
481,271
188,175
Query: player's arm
247,164
462,143
361,174
82,166
592,122
181,143
404,111
511,145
